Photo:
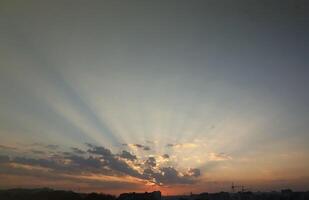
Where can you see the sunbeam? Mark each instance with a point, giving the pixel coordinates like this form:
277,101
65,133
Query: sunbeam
136,96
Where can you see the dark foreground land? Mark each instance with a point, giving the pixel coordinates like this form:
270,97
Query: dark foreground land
49,194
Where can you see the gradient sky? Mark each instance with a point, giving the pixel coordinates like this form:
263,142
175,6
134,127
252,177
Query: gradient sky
179,96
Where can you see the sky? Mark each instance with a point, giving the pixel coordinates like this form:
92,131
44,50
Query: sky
177,96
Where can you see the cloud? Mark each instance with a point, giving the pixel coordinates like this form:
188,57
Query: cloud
150,142
219,157
66,153
4,159
100,161
37,151
140,146
188,145
165,156
47,163
146,148
80,164
123,167
47,146
84,163
127,155
169,145
5,147
112,161
169,175
52,146
151,162
77,150
99,150
193,172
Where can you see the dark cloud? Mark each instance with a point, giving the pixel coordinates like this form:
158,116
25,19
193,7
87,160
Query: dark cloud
170,145
66,153
219,156
151,162
149,174
168,175
83,163
165,156
123,167
138,145
7,147
127,155
47,163
193,172
98,150
77,150
47,146
37,151
146,148
4,159
67,164
52,146
76,164
100,160
112,161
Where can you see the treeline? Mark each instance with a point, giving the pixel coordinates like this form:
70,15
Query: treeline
49,194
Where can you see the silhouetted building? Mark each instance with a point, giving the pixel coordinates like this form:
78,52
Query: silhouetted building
286,191
48,194
156,195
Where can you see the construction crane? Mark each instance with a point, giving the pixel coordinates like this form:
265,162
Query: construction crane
245,189
233,187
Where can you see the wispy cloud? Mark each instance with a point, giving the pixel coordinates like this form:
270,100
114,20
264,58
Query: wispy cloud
188,145
138,146
219,157
5,147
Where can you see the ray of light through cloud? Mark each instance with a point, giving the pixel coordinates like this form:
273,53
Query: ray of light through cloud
162,95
